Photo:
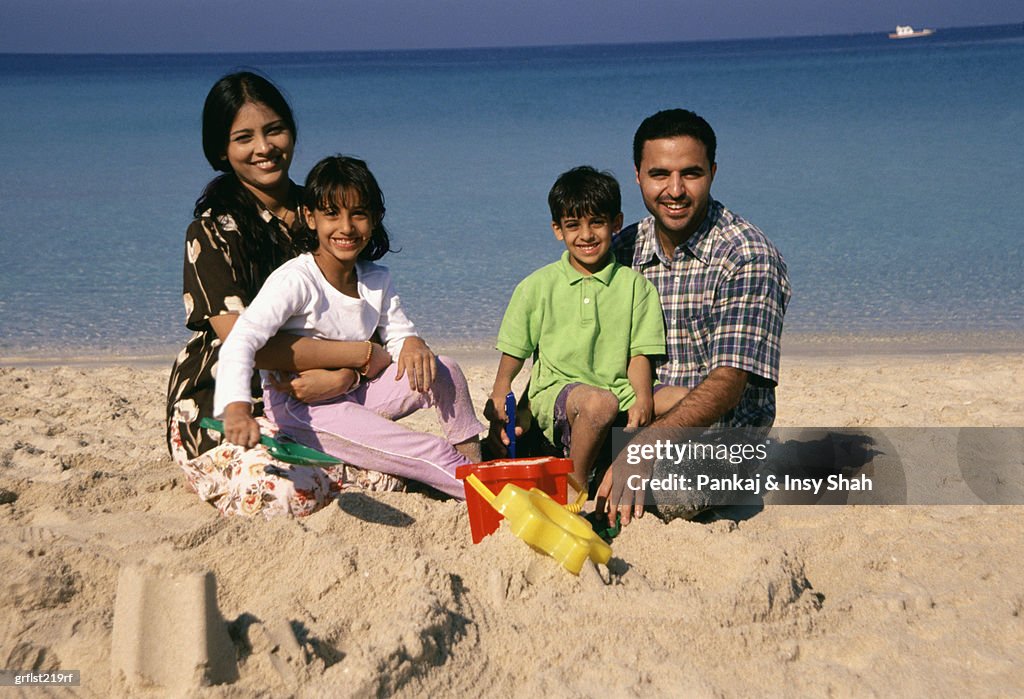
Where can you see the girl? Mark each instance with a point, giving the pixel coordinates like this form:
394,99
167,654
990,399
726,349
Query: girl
335,291
245,220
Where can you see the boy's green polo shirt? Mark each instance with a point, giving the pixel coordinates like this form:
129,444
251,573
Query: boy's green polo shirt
586,329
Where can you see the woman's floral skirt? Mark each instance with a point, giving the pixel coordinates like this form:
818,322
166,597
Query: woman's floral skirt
251,482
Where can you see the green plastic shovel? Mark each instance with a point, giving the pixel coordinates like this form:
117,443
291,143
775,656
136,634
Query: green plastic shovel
289,452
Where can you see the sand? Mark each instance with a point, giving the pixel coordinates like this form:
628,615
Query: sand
385,594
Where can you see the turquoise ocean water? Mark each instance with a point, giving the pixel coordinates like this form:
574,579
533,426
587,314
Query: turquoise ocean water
889,173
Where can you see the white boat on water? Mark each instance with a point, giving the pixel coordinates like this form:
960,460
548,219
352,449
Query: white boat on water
905,31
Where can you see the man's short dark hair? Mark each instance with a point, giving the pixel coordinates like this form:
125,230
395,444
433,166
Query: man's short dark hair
670,123
584,191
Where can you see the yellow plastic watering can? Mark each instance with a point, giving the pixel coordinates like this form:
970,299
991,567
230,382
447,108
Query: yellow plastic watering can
548,527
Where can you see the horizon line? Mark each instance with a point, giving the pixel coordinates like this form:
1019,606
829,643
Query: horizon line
937,30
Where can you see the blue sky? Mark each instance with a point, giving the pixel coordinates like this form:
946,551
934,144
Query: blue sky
158,26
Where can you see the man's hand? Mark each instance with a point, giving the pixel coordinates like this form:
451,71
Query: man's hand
316,385
418,362
239,427
701,407
614,495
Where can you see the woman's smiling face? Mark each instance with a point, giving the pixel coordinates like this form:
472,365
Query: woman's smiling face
260,149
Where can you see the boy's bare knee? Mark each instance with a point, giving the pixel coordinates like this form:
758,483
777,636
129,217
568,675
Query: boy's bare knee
596,405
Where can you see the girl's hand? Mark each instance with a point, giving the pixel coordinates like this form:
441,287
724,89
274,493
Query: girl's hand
640,413
419,362
239,427
316,385
379,361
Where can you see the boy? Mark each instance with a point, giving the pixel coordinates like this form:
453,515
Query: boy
593,324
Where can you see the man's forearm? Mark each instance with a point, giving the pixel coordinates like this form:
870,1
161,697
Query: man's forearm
716,395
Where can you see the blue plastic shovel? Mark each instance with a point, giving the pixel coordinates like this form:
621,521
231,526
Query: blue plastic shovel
510,425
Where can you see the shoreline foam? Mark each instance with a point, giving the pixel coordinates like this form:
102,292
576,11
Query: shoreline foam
802,345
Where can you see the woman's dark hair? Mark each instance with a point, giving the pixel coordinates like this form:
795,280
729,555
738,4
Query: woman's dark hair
225,194
224,100
345,181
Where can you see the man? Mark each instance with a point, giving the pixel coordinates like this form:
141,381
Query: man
724,289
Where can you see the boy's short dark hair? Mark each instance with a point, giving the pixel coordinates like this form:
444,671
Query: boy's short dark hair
670,123
584,191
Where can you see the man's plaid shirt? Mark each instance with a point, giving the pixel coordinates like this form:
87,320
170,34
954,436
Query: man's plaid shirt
724,295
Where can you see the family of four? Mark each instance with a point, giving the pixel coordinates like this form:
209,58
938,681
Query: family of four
676,319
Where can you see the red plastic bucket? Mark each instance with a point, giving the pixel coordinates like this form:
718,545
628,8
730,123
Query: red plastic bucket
544,473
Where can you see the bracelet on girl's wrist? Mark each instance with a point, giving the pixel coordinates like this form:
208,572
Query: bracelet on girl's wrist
365,367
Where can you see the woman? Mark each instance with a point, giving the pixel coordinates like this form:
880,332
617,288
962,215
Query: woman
242,231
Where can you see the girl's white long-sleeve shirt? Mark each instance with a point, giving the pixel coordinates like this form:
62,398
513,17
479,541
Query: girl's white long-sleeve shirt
297,299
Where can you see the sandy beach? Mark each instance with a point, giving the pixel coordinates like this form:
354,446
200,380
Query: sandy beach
386,594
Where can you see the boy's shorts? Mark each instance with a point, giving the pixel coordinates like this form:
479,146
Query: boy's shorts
563,430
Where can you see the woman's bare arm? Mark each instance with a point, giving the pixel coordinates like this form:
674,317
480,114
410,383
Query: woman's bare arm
285,352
